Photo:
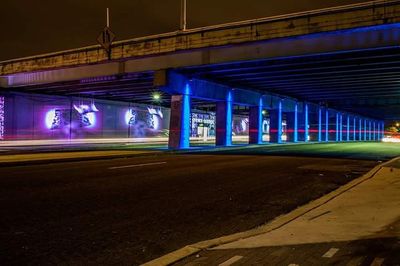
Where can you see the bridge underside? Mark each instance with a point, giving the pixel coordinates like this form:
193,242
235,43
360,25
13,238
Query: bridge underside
364,82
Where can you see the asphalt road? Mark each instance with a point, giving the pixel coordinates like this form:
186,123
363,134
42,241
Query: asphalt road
377,251
129,211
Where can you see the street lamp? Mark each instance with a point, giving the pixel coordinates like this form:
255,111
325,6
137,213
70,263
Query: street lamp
156,96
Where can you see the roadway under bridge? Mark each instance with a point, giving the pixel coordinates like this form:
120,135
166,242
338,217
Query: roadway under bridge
324,75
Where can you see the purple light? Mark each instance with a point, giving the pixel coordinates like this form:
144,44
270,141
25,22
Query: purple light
87,113
49,118
130,117
156,117
2,119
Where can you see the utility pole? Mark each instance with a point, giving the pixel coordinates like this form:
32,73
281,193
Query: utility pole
183,15
106,37
108,17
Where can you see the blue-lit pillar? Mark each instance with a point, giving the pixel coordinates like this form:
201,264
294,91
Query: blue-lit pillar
348,128
224,122
378,131
292,125
275,129
354,129
255,124
383,130
327,125
304,123
179,131
360,129
374,130
369,131
319,124
341,127
365,129
337,126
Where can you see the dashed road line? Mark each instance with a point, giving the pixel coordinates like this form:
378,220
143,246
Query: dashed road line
136,165
330,253
357,261
231,261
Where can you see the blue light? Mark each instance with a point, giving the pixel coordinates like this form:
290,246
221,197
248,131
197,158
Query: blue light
337,127
296,124
260,122
369,130
229,119
279,129
341,127
306,135
319,124
326,125
365,129
185,119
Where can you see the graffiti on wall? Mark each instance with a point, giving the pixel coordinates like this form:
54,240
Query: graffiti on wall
142,122
82,115
2,117
87,114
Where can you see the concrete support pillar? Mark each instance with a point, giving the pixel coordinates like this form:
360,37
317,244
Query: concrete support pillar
340,127
374,130
326,125
360,136
292,125
378,131
304,124
337,127
224,122
365,129
369,131
275,131
354,129
255,124
179,132
319,124
348,128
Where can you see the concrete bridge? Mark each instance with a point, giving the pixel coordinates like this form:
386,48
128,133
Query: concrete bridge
332,74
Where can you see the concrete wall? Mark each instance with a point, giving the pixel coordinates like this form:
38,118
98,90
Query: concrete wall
51,117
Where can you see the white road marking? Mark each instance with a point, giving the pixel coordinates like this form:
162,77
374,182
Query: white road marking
357,261
330,253
136,165
377,262
231,261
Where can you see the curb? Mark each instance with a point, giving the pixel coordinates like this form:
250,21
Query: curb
276,223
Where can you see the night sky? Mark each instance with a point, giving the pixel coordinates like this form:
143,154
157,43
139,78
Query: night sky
31,27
